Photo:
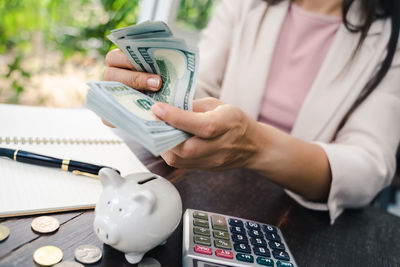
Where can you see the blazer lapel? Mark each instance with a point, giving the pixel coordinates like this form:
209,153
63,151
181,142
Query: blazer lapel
337,85
254,64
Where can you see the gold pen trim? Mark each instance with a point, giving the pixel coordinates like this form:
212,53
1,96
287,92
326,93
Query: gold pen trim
15,154
85,174
65,164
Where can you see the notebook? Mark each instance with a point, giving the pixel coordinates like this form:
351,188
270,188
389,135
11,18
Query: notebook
76,134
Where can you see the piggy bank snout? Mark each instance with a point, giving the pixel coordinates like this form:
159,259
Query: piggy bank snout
106,231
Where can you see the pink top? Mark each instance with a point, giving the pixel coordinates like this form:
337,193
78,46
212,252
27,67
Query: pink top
303,43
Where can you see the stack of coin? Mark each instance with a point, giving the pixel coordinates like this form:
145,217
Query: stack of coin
45,224
47,255
88,254
149,262
69,264
4,232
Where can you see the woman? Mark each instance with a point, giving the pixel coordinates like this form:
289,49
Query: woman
327,72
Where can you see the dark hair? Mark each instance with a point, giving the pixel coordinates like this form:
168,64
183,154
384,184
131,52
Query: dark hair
371,10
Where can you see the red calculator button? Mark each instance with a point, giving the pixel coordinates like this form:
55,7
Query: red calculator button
224,253
203,250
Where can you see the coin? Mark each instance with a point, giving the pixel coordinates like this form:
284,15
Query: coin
69,264
45,224
47,255
4,232
88,254
149,262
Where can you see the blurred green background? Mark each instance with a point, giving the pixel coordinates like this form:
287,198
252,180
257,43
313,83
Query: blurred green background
50,48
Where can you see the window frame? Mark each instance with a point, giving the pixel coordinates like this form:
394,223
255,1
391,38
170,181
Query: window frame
166,10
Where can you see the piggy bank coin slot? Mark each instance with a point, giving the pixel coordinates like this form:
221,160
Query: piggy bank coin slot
147,180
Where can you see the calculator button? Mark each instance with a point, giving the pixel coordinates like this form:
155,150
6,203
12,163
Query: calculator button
281,255
252,225
200,222
261,251
255,233
219,222
202,240
241,247
276,245
284,264
201,231
238,230
273,237
257,241
224,253
219,243
200,215
239,238
203,250
269,229
244,257
221,234
265,261
235,222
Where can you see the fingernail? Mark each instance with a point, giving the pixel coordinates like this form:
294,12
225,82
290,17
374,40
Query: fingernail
153,83
158,111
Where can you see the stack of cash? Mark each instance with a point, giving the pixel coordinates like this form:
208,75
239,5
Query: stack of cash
150,47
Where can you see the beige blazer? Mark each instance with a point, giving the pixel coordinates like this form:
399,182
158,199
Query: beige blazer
235,53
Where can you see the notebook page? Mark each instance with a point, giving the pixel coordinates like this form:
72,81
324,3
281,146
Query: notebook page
42,122
26,188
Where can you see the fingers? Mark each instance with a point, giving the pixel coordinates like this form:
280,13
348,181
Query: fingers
206,104
134,79
202,124
209,162
107,123
121,70
175,161
194,148
116,58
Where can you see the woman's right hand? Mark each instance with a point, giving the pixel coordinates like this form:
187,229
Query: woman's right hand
121,70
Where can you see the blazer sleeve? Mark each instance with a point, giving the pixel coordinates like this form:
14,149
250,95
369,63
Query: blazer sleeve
363,156
214,48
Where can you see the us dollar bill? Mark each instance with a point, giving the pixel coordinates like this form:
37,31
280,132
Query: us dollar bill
130,111
150,47
156,51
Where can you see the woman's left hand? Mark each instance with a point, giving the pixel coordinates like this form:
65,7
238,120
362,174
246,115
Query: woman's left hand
225,137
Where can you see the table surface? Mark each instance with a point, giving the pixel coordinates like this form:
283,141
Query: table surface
364,237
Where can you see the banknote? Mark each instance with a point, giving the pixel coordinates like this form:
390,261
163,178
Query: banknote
171,58
150,47
130,110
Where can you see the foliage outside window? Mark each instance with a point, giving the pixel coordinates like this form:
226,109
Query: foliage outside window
194,14
54,28
40,39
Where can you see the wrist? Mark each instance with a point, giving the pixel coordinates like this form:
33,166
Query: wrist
270,146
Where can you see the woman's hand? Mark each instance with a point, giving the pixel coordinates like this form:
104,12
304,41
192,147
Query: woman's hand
119,69
224,136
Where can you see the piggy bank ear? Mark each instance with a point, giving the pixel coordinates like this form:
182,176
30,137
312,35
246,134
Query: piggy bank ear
109,177
145,200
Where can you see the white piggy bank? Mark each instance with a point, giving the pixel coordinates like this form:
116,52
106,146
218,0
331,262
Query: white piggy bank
136,213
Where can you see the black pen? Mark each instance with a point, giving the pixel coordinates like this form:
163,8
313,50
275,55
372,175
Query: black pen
73,166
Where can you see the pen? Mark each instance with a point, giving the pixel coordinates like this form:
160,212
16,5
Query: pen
76,167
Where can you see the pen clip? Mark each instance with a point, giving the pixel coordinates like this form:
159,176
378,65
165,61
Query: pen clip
85,174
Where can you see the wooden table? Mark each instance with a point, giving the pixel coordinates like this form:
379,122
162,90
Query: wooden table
364,237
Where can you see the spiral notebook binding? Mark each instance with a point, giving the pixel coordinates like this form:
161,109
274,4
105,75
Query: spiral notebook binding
57,141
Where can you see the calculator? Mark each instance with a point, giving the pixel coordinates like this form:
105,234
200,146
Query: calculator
218,240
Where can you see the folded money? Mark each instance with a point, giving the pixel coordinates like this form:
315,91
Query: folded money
150,47
129,110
